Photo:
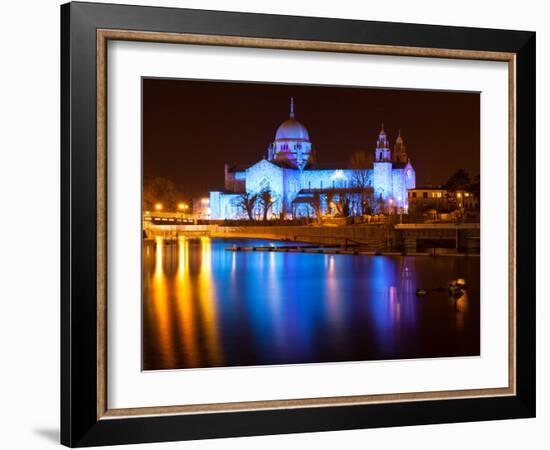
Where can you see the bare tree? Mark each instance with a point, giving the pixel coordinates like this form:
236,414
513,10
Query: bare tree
316,204
160,191
265,201
329,196
380,206
361,163
458,180
344,205
247,203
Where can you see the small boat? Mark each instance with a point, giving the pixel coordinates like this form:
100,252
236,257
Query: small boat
456,289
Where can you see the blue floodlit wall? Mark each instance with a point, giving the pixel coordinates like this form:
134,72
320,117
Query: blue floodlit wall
327,179
286,183
410,176
402,180
215,207
292,184
224,206
266,175
382,180
399,190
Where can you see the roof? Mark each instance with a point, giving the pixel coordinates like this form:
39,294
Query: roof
399,165
225,192
349,190
232,168
428,188
436,188
292,129
323,166
284,164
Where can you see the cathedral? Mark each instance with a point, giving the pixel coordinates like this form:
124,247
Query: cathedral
295,181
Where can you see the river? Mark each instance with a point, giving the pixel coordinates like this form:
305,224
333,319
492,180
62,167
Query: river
204,306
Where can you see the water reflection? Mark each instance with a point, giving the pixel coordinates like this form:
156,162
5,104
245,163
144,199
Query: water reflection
185,307
204,306
160,305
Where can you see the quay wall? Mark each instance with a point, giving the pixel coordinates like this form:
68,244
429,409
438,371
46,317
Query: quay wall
373,237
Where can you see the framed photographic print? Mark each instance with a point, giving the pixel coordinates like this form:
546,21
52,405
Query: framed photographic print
276,224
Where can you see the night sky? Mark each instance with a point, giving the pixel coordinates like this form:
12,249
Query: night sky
192,128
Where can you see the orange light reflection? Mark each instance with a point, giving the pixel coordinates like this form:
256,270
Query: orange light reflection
160,307
185,306
207,301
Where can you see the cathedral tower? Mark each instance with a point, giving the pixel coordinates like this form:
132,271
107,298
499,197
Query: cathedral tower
399,150
382,167
382,152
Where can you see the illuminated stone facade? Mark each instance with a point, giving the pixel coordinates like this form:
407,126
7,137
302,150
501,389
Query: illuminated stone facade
291,175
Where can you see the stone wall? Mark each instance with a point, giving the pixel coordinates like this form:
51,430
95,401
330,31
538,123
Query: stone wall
372,237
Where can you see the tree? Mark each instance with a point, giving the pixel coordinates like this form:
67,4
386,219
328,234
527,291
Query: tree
266,202
474,187
344,205
361,163
329,197
317,205
459,180
160,191
247,203
380,206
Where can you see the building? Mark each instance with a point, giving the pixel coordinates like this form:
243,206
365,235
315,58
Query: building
442,199
294,179
201,208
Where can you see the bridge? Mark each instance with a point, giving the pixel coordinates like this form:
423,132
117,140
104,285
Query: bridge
172,225
463,236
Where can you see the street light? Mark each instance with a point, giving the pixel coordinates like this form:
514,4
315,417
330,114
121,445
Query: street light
158,206
182,206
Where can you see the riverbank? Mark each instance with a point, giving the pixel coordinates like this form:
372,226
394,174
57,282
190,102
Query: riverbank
372,237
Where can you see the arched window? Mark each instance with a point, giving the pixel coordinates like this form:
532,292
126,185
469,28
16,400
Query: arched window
264,184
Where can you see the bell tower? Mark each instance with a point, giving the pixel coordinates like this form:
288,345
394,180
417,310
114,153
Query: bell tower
382,167
399,150
382,152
